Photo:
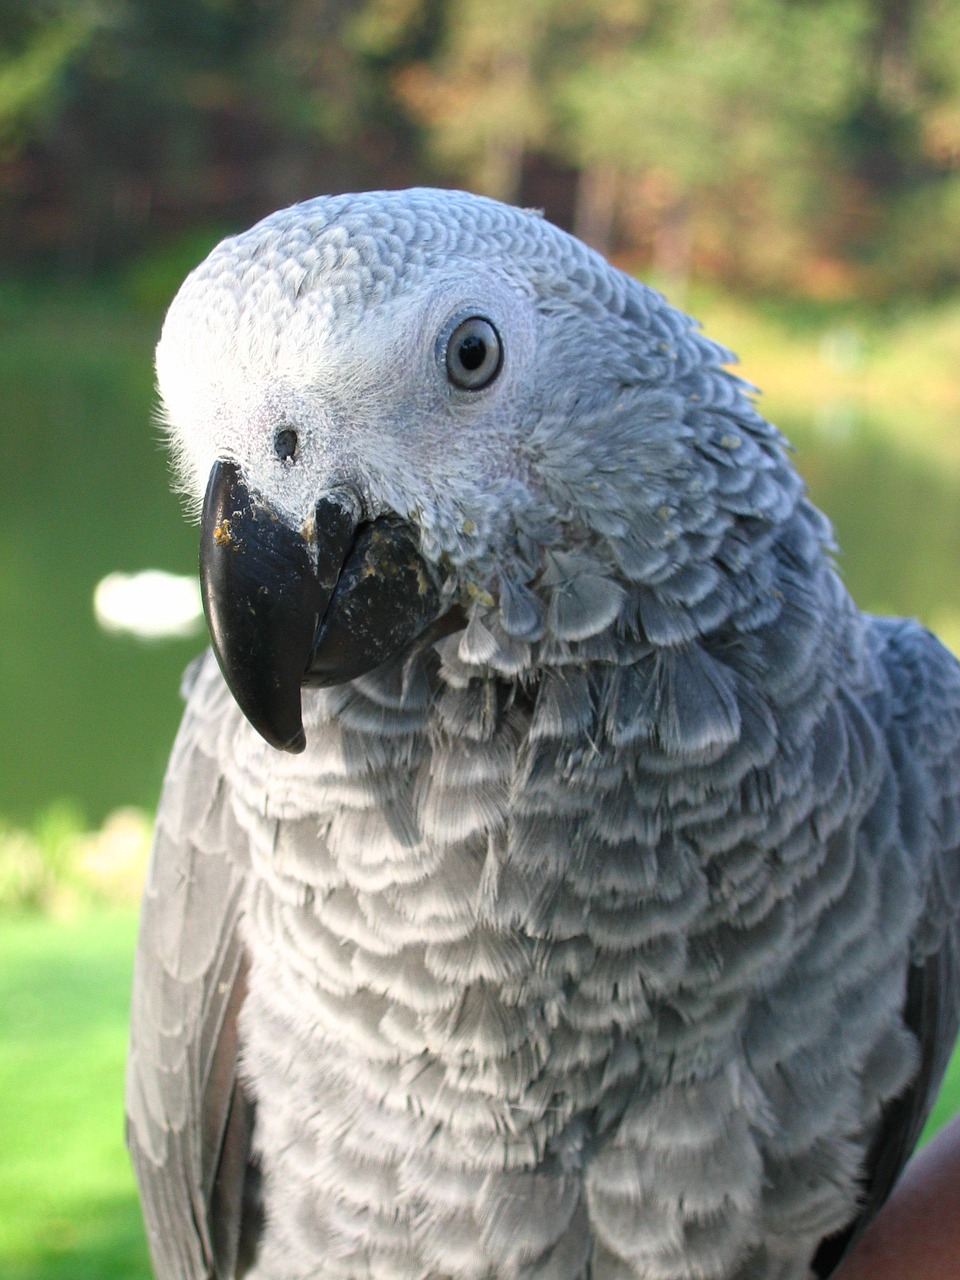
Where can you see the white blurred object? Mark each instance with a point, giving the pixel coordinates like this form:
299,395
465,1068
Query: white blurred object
153,605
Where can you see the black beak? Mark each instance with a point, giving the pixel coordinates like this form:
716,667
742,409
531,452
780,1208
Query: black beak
320,605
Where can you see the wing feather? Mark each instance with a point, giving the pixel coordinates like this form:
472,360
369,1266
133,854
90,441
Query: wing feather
188,1120
923,735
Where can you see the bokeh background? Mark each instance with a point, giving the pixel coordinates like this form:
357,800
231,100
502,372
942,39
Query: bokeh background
786,170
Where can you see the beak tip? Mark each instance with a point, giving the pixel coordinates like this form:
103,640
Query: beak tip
262,603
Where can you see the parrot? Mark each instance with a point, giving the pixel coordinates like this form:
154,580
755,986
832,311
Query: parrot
556,875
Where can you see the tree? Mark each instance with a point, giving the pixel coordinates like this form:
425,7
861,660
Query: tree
477,93
720,111
900,145
35,61
130,115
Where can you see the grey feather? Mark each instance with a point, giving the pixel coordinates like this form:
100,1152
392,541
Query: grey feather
614,934
186,1109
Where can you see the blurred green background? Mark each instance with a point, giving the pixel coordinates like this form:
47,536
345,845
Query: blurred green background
786,170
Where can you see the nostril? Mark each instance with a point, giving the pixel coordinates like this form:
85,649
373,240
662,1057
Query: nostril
285,444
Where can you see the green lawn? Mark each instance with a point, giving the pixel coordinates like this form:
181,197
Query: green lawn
68,1209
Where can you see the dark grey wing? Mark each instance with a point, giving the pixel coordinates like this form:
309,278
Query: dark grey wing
188,1120
923,734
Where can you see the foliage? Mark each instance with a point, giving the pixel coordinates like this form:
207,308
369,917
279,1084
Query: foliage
29,77
698,108
812,146
479,95
166,111
59,867
35,865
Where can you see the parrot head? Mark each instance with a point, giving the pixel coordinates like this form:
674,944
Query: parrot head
399,410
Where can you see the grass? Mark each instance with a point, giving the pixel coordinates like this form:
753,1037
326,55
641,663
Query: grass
68,1209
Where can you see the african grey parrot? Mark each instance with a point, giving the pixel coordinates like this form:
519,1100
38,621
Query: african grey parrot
556,876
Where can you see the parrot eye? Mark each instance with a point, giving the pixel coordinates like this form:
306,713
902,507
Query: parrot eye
473,354
285,444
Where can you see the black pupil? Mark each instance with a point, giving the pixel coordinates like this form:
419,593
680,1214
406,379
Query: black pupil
473,352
